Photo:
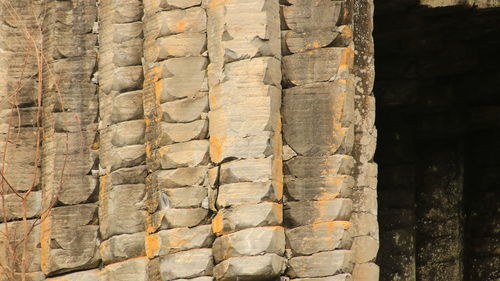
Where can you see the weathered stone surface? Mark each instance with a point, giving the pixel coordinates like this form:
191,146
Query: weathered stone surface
302,16
250,242
304,167
240,37
179,21
122,209
181,45
366,272
179,239
183,132
319,65
321,264
128,175
365,249
297,42
308,212
182,78
186,264
318,188
89,275
122,247
365,200
180,4
318,118
124,133
125,79
76,189
187,109
129,270
180,177
247,193
246,216
250,268
70,239
246,170
340,277
16,234
185,217
187,154
259,146
124,157
365,224
13,206
186,197
319,237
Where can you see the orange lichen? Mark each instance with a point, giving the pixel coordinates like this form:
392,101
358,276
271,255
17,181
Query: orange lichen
181,25
152,245
218,224
216,145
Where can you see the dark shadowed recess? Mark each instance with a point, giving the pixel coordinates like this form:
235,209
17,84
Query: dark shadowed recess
438,115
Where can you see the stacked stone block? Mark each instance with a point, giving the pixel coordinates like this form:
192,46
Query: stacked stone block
180,236
318,131
19,162
245,138
69,234
122,211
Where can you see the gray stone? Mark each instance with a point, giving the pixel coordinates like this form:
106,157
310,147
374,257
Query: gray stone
122,209
247,216
128,175
247,193
182,77
186,197
250,268
187,154
180,177
298,42
323,188
250,242
246,170
186,264
181,239
183,132
319,166
122,247
129,270
181,45
302,16
319,237
321,264
308,212
89,275
187,109
13,206
185,217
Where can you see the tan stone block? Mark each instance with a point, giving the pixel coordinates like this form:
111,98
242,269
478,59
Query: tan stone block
129,270
187,154
319,166
188,44
247,216
366,272
321,264
318,188
123,247
127,106
185,217
13,206
186,110
339,277
250,268
365,249
297,42
224,147
179,21
365,200
186,197
123,157
183,132
246,170
16,235
186,264
178,4
250,242
247,193
128,175
308,212
319,237
180,177
88,275
179,239
302,16
183,77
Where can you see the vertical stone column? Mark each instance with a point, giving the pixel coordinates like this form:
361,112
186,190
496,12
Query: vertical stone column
176,104
122,152
69,237
366,239
245,138
19,148
318,131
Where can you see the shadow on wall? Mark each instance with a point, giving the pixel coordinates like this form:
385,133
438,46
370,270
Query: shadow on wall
438,115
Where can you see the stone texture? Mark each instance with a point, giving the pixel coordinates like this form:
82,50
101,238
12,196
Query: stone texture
180,177
319,237
246,193
187,154
129,270
186,264
250,242
339,261
122,247
324,188
303,167
250,268
179,239
308,212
